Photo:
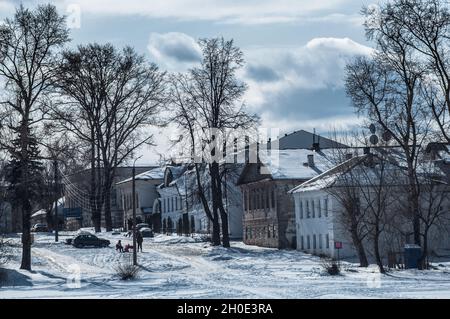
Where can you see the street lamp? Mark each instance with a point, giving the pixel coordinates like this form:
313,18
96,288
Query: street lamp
134,212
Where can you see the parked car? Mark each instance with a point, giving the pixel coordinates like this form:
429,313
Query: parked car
39,228
146,232
142,225
89,240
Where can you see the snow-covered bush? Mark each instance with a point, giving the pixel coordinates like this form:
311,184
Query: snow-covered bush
331,266
127,271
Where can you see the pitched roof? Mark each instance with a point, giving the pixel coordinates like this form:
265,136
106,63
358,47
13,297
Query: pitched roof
153,174
292,164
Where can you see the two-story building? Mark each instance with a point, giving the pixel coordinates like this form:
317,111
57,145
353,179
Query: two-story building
146,184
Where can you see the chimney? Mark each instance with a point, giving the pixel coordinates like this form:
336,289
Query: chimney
311,160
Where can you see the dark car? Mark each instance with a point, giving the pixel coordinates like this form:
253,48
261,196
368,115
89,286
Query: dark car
39,228
89,240
146,232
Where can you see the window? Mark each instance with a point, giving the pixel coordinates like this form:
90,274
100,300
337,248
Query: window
301,209
319,209
308,242
314,242
327,241
325,206
308,214
259,199
245,195
274,231
246,232
320,241
267,193
313,204
273,198
264,233
302,244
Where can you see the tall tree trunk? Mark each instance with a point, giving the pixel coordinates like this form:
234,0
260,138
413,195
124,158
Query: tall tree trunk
414,203
223,216
214,171
93,204
108,217
376,249
26,236
212,216
26,206
357,242
423,258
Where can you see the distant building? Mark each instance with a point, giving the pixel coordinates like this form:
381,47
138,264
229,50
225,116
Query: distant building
319,208
77,192
145,184
269,218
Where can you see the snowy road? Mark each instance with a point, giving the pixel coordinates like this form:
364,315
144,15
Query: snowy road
184,267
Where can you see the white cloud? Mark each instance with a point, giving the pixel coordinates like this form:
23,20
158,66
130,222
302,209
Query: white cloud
225,11
174,51
319,64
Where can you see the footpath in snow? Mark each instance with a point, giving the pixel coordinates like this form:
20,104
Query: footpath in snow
188,267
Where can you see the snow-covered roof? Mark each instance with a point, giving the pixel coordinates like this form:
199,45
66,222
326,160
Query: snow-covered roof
328,177
153,174
39,213
293,164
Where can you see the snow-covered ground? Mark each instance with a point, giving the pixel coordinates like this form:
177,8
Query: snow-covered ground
186,267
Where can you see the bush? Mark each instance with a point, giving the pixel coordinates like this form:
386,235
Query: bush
127,271
331,266
5,251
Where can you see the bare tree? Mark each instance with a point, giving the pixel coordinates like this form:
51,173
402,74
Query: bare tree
434,196
213,95
28,45
424,26
346,191
385,89
111,97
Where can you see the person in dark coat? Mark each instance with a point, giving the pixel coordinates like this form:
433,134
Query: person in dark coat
119,246
139,240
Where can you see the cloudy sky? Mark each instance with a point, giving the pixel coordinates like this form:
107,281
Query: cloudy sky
295,50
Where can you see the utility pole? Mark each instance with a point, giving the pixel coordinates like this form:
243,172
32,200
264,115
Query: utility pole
134,212
56,221
134,217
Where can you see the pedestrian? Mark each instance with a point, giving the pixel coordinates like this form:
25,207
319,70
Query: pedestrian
119,246
139,240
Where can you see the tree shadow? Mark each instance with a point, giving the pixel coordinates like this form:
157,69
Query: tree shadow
13,278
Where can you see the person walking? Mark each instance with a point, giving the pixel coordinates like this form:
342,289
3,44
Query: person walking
139,240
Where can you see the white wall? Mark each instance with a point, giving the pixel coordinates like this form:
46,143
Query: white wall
320,223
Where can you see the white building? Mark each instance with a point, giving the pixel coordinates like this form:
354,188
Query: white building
146,195
319,208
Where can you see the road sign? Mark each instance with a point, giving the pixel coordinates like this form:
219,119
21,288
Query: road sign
337,245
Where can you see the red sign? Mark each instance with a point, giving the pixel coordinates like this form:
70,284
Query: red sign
337,245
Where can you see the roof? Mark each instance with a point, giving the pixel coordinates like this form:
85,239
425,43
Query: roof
153,174
39,213
304,140
328,177
293,164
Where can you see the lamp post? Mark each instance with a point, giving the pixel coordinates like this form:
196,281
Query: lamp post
56,218
134,212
